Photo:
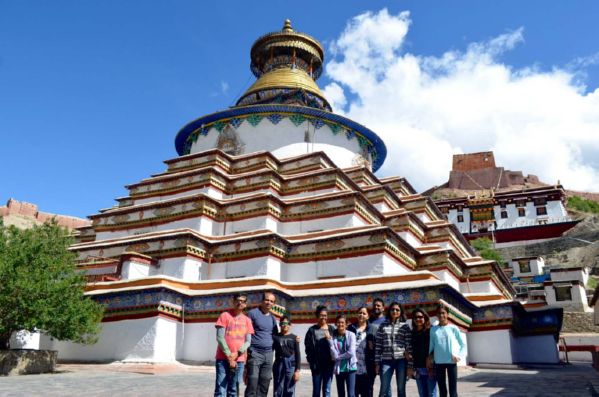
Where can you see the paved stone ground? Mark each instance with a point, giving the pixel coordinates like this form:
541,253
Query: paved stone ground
188,380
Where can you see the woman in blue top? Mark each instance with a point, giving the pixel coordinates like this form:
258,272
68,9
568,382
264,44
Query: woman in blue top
343,352
446,347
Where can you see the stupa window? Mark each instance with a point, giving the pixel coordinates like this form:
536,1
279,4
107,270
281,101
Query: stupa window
521,212
541,210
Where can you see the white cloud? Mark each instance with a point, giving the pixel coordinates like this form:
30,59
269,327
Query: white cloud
428,108
224,87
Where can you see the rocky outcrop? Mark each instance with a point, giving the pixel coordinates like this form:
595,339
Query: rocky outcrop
24,362
24,215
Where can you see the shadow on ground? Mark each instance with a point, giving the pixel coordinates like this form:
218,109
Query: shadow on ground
555,381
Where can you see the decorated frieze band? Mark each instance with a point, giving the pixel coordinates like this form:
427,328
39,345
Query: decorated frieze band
313,246
148,303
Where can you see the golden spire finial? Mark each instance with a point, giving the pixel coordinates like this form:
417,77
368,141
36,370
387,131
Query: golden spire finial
287,26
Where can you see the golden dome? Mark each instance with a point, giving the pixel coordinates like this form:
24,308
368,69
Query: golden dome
285,78
287,64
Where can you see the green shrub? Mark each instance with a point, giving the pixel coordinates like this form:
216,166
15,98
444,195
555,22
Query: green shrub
583,205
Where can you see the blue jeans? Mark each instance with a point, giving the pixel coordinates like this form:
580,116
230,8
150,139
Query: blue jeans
227,379
387,369
322,380
427,385
452,379
346,380
283,371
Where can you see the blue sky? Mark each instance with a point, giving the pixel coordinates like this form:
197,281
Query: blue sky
92,93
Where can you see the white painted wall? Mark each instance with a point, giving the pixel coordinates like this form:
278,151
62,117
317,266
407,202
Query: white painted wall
188,269
142,340
198,342
556,212
411,239
580,275
25,340
464,226
479,287
162,340
537,267
285,139
494,346
448,277
132,270
579,301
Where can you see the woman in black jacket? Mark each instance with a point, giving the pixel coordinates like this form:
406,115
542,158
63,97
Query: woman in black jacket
318,353
421,326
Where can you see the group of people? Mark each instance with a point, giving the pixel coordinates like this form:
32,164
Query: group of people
380,343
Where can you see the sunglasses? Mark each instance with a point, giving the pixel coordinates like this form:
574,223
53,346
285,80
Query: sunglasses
395,310
419,317
241,300
284,323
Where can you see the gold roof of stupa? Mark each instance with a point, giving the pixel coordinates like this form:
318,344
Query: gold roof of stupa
285,78
285,61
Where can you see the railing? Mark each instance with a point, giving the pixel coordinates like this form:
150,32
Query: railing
531,222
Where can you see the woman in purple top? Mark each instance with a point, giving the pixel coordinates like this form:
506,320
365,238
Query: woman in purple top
343,352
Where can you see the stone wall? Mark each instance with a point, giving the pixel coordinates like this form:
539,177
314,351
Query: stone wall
473,161
578,322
